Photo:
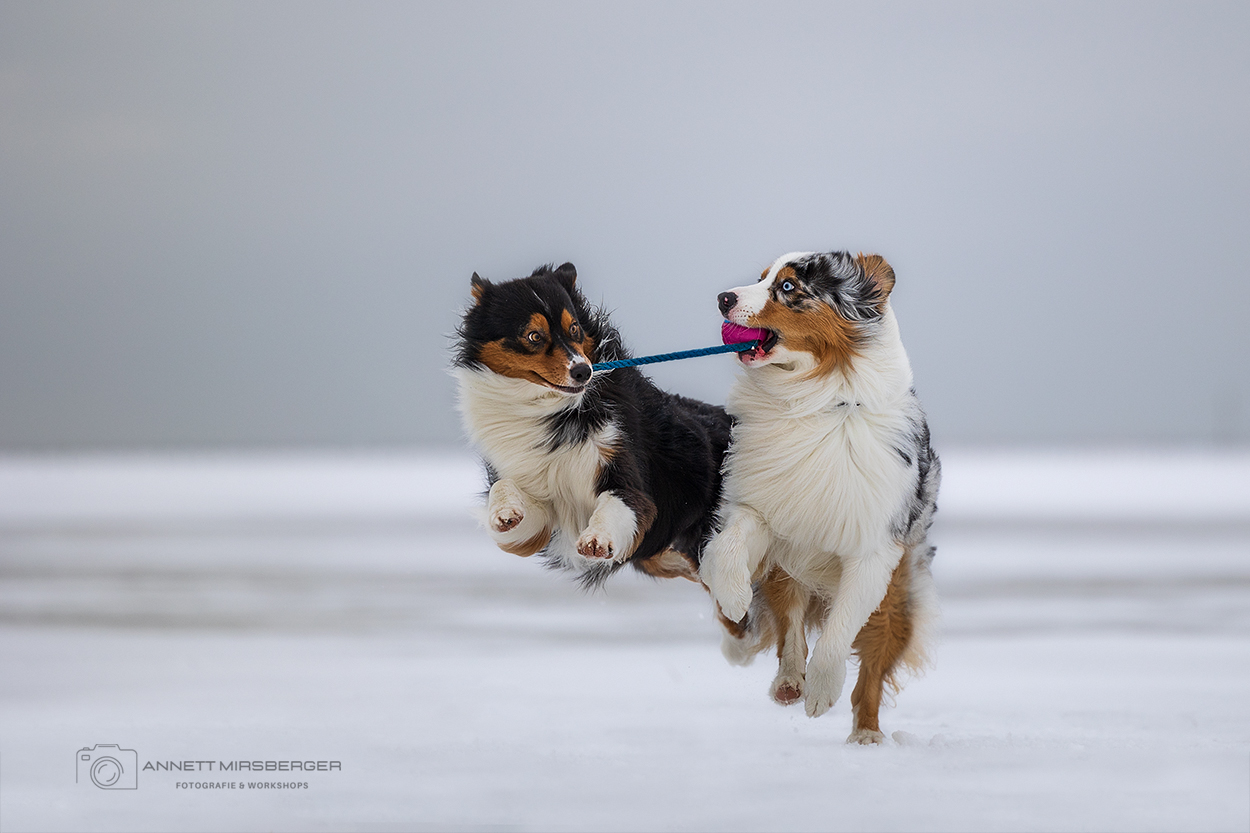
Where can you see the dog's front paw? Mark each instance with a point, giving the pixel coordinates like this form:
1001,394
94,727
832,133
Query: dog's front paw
824,687
516,523
786,690
729,560
612,530
505,508
506,518
596,544
728,582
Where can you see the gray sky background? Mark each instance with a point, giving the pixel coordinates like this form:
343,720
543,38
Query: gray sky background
252,225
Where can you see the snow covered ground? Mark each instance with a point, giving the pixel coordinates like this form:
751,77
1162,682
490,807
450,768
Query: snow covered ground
1094,670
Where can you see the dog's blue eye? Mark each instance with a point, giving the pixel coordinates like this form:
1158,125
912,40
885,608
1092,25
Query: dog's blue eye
787,287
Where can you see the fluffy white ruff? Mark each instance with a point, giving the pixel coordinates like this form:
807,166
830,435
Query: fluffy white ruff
814,477
817,458
506,419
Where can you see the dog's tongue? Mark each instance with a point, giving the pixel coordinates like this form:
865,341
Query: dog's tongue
731,333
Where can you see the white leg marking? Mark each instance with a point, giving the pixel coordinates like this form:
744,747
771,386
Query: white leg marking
611,530
512,517
731,558
860,591
866,737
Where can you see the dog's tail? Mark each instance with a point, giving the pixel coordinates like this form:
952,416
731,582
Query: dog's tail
922,604
922,594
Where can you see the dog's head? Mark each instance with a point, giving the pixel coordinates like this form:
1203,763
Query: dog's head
817,309
534,329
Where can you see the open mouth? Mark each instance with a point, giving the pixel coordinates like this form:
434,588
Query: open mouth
765,340
565,388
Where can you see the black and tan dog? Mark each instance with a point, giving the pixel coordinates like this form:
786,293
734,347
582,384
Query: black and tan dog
593,470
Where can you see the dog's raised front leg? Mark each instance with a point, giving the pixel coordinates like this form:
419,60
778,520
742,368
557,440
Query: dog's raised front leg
623,513
516,522
731,557
616,527
860,590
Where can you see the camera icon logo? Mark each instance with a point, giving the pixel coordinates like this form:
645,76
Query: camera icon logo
109,767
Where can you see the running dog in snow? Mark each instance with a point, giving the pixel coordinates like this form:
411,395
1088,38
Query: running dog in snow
830,486
594,470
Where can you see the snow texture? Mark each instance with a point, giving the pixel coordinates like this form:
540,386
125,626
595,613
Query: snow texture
1092,674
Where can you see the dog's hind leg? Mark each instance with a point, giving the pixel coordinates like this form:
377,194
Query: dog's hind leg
880,645
788,601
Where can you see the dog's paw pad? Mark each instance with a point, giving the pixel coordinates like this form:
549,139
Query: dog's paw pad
593,545
866,737
787,693
506,520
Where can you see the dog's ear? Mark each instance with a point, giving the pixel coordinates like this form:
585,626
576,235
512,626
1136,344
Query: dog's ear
478,286
880,273
566,274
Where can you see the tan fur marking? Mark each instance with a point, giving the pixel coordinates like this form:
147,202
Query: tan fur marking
538,321
549,366
586,342
880,644
670,563
527,548
788,600
879,272
819,331
786,273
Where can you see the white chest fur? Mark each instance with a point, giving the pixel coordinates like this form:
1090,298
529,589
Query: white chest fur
819,458
508,421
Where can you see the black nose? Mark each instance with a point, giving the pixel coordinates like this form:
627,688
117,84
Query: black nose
727,300
580,373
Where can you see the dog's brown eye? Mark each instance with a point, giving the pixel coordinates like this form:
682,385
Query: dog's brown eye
534,337
575,332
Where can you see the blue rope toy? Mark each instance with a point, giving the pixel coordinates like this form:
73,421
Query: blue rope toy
740,347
